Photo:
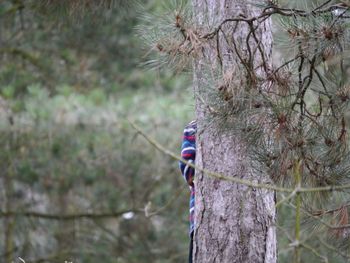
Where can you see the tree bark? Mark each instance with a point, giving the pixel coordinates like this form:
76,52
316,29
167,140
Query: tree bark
233,223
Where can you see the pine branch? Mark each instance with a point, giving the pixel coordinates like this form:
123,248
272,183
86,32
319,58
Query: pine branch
317,218
235,179
209,173
315,252
332,248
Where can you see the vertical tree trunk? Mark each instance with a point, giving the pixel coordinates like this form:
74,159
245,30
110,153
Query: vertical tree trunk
9,223
66,236
234,223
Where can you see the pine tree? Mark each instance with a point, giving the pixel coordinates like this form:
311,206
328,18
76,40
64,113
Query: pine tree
234,223
283,123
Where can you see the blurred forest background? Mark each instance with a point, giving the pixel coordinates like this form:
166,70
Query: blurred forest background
77,182
69,79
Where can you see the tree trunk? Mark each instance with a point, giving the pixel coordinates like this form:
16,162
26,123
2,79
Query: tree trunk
66,235
9,223
233,223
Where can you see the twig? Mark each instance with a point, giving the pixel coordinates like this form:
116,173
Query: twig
172,199
161,148
314,251
297,176
328,246
209,173
66,216
285,199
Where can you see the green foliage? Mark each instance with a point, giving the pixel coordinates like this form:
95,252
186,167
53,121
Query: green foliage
69,79
59,53
169,35
81,148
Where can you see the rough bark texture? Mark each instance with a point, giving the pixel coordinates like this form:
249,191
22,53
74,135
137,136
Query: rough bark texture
234,223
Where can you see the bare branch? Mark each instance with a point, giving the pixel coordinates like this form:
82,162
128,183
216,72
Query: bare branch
235,179
67,216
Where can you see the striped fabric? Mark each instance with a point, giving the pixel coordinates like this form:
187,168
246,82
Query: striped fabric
188,153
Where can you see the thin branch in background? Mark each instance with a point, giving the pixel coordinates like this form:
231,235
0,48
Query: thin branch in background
287,198
67,216
334,227
168,204
332,248
322,5
314,251
285,64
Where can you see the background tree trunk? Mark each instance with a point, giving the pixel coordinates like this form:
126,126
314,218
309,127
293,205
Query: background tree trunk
9,204
234,223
